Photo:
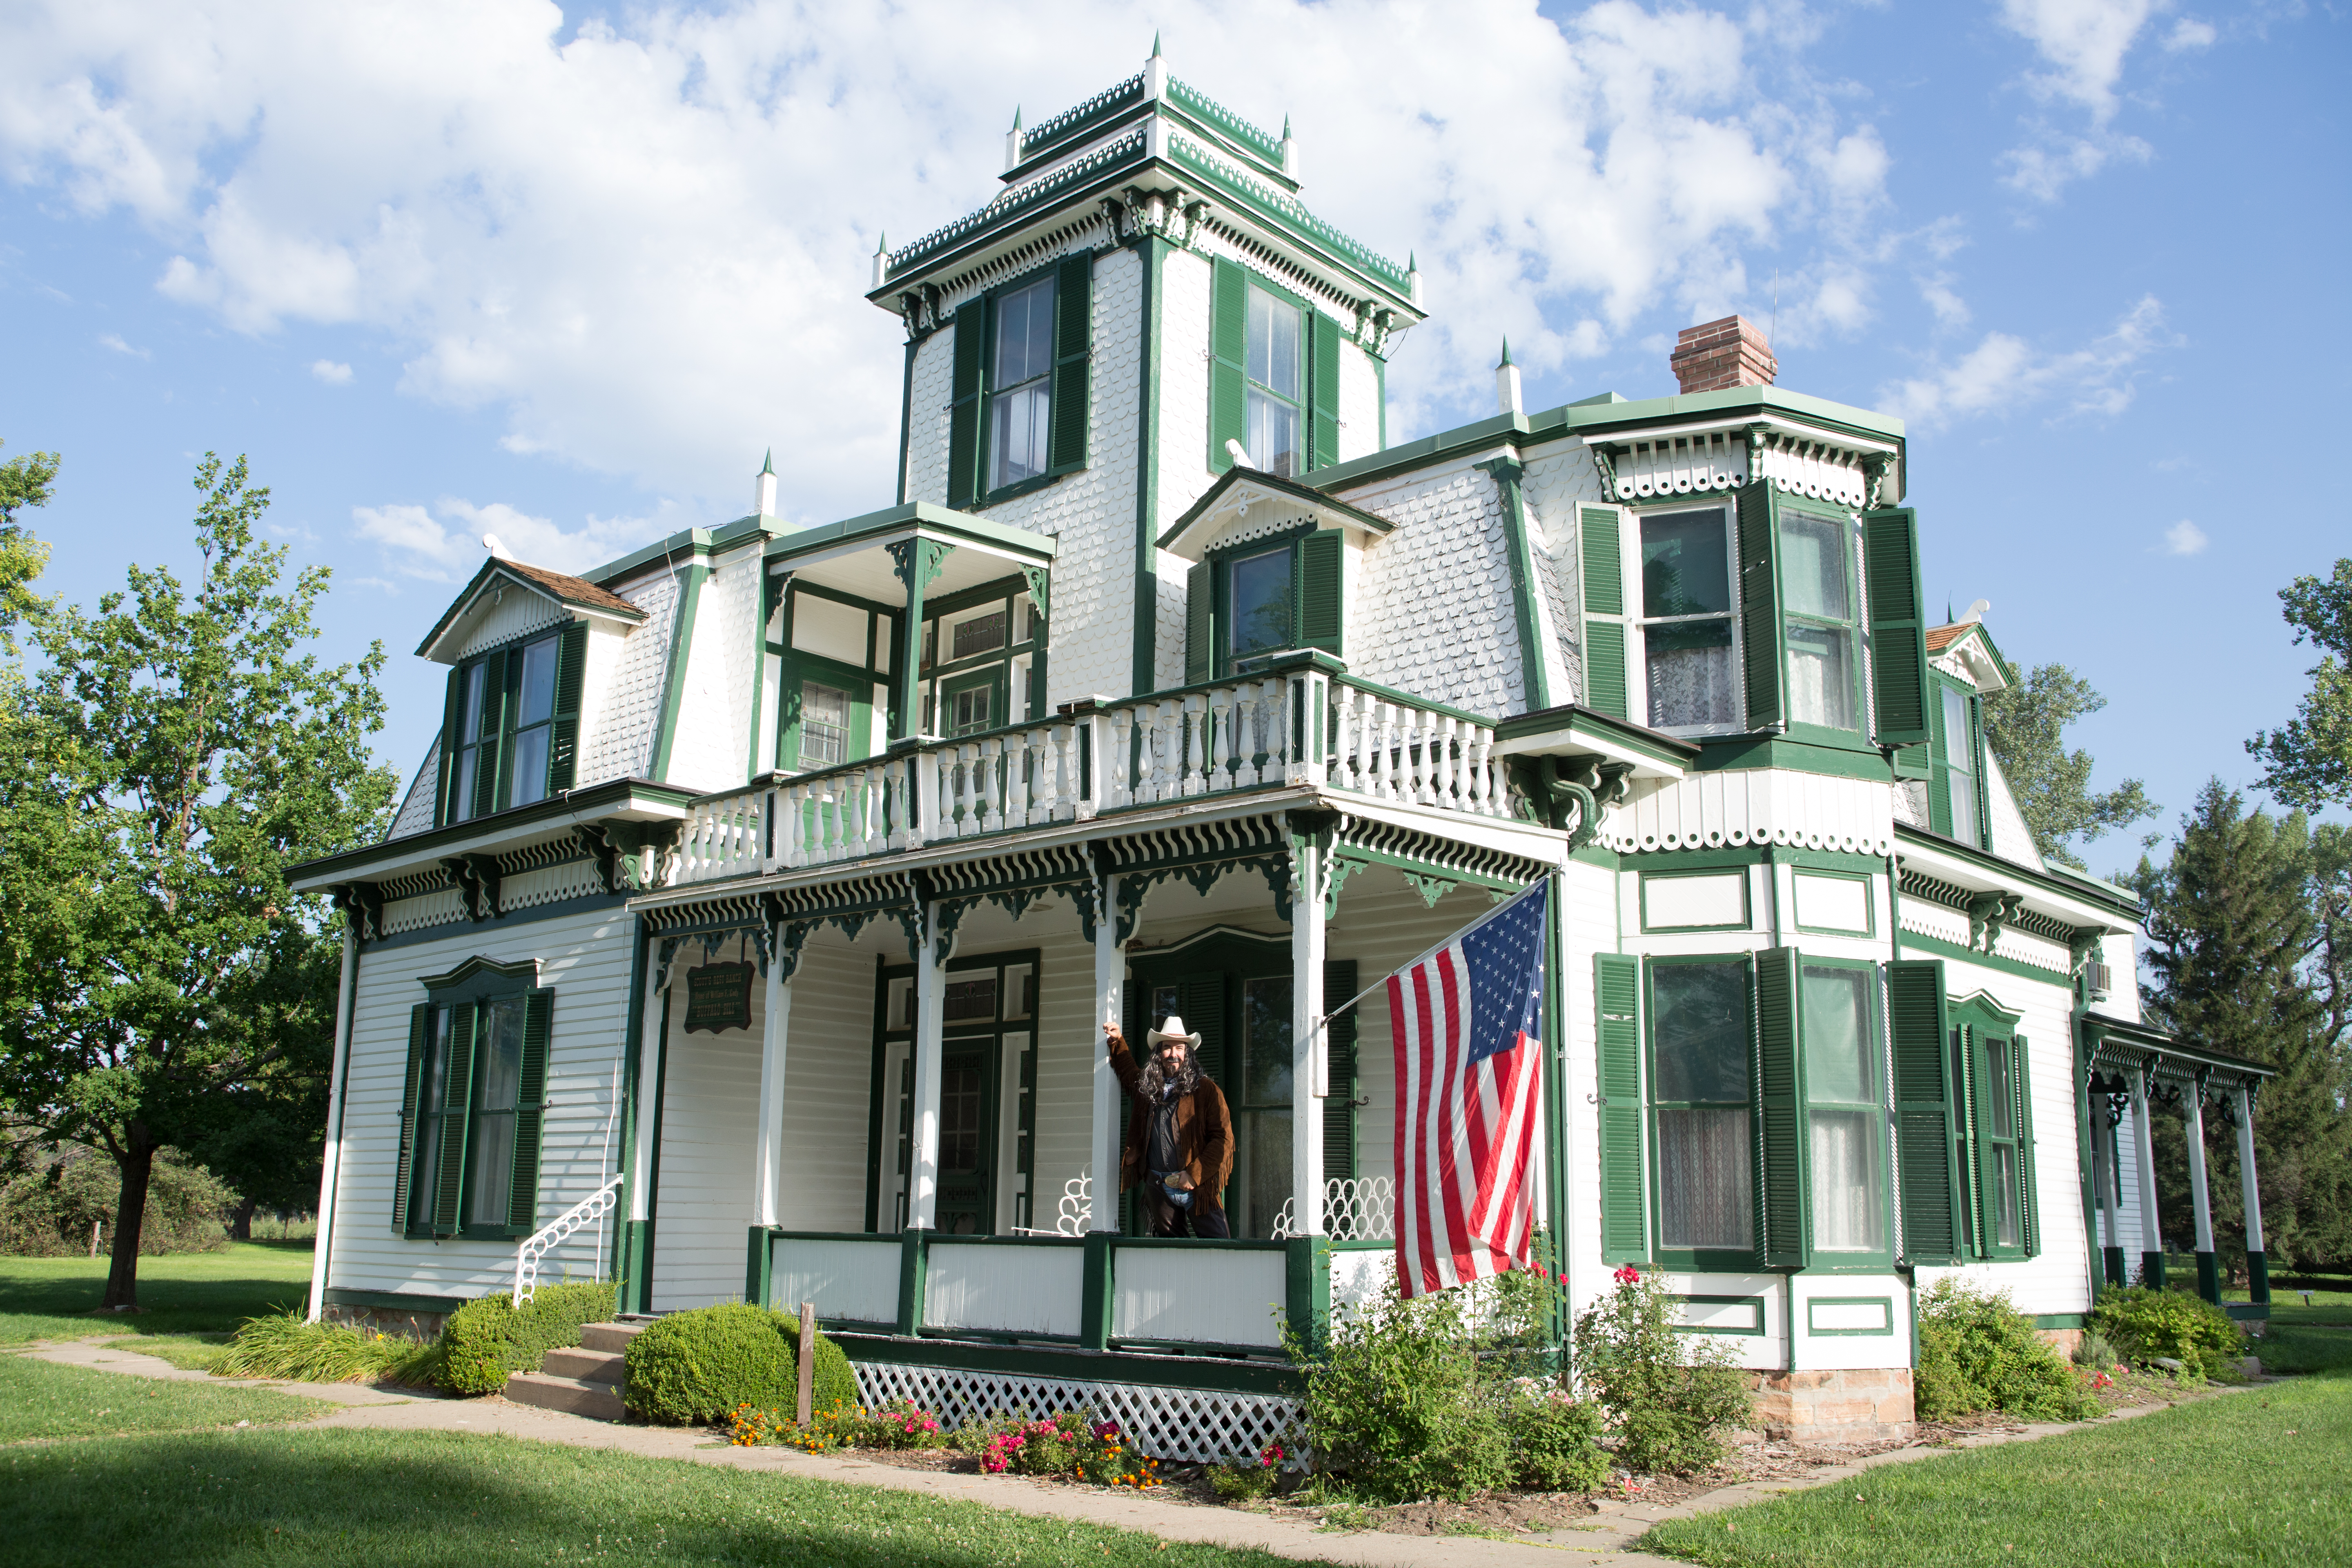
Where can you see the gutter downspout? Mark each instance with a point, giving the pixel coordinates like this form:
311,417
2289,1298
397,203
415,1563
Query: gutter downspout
338,1092
1535,680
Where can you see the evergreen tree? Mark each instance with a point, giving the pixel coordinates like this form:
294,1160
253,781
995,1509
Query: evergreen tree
2235,955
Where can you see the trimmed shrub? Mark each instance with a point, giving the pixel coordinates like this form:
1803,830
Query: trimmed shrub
2146,1323
486,1339
1555,1438
1669,1396
699,1367
1978,1352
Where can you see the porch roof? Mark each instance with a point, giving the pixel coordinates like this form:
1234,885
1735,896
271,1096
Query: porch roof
1570,730
501,832
853,555
2115,1042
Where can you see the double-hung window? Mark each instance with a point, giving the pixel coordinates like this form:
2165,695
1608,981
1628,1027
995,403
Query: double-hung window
1844,1114
1702,1127
1261,598
1955,799
1021,378
1019,374
1817,587
1687,624
511,730
1989,1060
1274,376
1271,364
470,1110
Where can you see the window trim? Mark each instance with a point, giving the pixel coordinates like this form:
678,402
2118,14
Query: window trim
1971,1023
1940,763
1637,623
1300,406
475,987
887,1136
1856,625
1698,1259
1065,373
797,666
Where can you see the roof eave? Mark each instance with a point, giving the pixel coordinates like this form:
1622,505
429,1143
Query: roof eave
1325,508
494,567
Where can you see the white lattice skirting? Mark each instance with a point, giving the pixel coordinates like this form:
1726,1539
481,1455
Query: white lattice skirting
1193,1425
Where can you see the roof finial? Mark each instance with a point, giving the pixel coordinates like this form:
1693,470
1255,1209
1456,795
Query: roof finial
768,463
1507,351
1286,123
1017,117
1155,43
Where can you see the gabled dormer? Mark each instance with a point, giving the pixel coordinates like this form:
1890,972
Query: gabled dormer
1967,798
520,643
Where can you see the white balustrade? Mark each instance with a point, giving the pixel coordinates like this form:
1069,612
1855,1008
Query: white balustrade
1233,735
540,1242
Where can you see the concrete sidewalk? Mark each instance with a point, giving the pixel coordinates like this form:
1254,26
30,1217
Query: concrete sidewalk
1603,1541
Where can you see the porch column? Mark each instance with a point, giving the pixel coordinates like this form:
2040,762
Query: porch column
644,1145
2258,1263
931,1026
768,1176
2151,1241
2209,1271
1310,1078
2107,1170
1110,1007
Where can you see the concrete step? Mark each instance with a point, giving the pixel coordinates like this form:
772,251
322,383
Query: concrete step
589,1366
577,1396
610,1337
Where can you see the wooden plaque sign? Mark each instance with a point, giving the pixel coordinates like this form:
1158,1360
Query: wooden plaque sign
719,997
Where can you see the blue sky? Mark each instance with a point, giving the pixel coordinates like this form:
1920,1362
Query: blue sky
563,274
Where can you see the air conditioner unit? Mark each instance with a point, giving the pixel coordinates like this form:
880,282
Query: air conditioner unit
2098,979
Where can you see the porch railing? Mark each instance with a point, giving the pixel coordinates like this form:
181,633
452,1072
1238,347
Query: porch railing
1297,724
545,1239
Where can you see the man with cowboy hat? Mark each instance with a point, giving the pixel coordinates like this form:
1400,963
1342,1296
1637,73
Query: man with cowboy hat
1179,1141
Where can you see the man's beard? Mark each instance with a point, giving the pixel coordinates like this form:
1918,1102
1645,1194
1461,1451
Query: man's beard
1156,1078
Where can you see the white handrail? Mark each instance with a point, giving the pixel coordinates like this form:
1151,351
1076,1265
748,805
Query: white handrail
543,1241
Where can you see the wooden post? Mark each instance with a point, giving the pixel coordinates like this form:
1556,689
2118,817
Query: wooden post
808,1362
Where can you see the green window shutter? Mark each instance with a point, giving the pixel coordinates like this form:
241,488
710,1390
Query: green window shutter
494,705
2029,1217
1228,344
570,672
1322,389
1202,999
1319,561
456,1105
1976,834
1898,624
1200,630
963,415
1339,982
1913,762
1939,778
1762,636
1780,1109
1599,528
1074,336
1930,1193
420,1047
1624,1196
444,779
530,1100
510,710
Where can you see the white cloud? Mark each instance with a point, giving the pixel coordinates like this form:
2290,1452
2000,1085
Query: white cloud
645,242
2042,172
2083,43
2004,373
2188,34
2184,538
448,548
114,341
1951,311
332,374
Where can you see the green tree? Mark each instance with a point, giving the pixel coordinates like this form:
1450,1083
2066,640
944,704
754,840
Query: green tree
2025,725
181,748
2310,761
24,481
2234,953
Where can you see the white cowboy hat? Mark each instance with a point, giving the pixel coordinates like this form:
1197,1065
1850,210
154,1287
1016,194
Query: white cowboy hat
1175,1031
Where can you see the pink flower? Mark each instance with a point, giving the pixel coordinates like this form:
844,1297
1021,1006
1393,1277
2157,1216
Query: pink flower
1628,1275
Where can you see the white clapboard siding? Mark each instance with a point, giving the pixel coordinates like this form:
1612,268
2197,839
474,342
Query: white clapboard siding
585,958
1069,1042
1589,917
709,1116
828,1085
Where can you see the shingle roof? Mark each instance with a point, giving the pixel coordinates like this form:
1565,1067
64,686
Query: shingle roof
575,590
564,590
1941,637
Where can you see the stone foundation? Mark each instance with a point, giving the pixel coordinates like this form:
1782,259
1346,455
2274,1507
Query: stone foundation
2066,1342
395,1323
1836,1407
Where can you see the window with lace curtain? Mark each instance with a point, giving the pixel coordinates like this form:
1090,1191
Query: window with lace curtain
1702,1127
1845,1117
1687,620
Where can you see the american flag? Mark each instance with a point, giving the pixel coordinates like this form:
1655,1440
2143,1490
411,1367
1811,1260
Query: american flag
1467,1019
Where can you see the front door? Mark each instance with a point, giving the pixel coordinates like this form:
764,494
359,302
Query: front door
967,1136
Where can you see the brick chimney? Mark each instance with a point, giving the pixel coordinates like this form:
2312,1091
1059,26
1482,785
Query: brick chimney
1728,353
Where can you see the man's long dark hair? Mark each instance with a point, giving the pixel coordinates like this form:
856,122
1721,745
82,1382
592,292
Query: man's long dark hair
1155,1074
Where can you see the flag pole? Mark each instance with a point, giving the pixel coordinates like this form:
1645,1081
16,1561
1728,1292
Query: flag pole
1447,941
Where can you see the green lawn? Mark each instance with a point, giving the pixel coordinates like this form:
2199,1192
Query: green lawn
2290,1347
2263,1476
179,1293
359,1497
2288,1307
40,1399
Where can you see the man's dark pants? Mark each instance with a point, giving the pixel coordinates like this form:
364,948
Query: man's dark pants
1167,1219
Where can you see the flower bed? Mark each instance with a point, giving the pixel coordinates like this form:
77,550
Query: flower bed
1071,1445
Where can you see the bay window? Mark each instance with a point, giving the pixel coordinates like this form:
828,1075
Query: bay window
1686,626
1818,601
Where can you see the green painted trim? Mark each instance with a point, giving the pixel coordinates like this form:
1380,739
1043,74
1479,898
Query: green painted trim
2120,901
1096,1299
392,1301
2248,1311
1938,947
1012,585
580,804
1575,724
681,648
1869,880
759,1254
632,1042
1752,1333
1300,491
1787,754
2062,1321
587,904
1820,1334
1151,252
1535,681
690,542
1215,1374
910,1278
1307,1289
911,517
1747,911
907,416
493,567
